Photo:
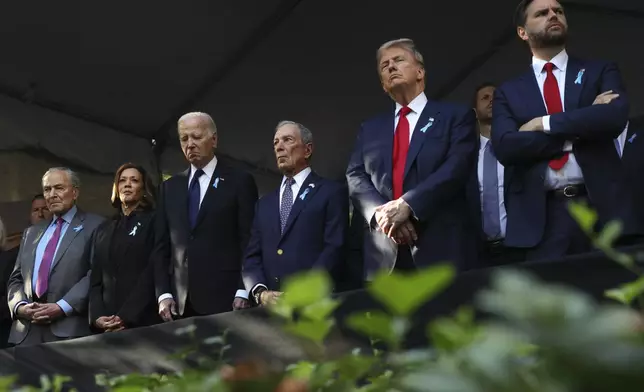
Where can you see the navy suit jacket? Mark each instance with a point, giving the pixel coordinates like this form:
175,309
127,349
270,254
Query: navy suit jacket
438,167
314,236
633,161
592,128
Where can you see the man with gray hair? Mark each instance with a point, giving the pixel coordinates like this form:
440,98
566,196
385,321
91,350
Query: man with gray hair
203,225
302,225
409,169
49,286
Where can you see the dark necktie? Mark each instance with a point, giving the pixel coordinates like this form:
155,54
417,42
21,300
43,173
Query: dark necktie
552,96
48,257
287,202
401,146
194,198
491,217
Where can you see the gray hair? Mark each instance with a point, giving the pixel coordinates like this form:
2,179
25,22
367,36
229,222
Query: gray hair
404,43
73,176
3,235
211,126
305,133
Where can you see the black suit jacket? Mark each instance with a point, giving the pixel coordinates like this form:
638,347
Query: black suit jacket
204,263
7,262
633,163
124,286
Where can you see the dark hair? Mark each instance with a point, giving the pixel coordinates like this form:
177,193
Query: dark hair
520,14
479,88
39,196
149,191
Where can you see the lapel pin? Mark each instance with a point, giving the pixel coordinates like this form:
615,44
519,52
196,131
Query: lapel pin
429,124
630,139
78,228
303,195
580,74
216,183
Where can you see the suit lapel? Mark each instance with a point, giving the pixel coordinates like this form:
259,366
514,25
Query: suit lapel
75,227
40,230
274,203
306,193
212,193
575,79
181,198
387,130
534,97
427,120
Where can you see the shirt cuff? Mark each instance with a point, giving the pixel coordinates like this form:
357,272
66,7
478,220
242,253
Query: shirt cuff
258,285
545,120
15,308
241,294
65,307
165,296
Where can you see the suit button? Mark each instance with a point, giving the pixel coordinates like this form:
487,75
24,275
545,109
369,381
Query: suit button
277,280
279,252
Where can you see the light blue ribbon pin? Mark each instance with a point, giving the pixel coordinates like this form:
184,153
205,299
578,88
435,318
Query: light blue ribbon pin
216,183
306,192
78,228
428,125
630,140
579,76
133,232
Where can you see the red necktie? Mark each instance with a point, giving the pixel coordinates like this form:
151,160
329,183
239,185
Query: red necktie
401,146
553,103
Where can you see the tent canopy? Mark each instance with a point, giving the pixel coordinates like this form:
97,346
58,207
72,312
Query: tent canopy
94,83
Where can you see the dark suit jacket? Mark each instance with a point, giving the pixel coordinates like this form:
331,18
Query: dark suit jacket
592,128
205,262
438,166
7,262
124,286
68,279
314,236
633,161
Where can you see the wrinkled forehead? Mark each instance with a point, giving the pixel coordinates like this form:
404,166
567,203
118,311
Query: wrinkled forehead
56,178
38,203
542,5
288,130
394,52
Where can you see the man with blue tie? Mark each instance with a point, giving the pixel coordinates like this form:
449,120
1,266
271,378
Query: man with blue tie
301,226
409,170
48,290
489,198
555,126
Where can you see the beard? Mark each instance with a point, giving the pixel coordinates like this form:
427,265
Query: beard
548,39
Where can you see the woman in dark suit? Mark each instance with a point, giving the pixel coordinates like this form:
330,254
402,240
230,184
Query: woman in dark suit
122,281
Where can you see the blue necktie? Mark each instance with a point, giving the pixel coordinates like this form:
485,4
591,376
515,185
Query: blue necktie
619,150
491,218
194,198
287,201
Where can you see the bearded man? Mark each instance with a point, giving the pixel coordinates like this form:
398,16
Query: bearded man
556,126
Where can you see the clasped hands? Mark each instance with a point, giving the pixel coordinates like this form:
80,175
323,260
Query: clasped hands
536,124
110,323
393,219
40,313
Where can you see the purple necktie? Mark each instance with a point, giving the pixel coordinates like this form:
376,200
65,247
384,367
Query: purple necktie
47,259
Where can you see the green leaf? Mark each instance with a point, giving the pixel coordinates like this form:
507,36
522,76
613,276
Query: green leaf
281,309
309,329
585,216
402,294
377,325
609,234
306,288
628,292
354,367
6,382
301,370
320,310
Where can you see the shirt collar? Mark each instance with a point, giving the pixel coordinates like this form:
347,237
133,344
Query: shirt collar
67,217
484,141
416,105
208,170
300,177
560,61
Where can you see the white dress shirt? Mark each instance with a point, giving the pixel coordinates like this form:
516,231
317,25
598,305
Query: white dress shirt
204,184
571,172
416,105
503,216
621,141
298,180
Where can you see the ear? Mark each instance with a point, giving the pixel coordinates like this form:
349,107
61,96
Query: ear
420,74
522,33
308,151
215,139
476,113
76,192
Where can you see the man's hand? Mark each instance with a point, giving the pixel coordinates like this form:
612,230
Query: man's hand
605,97
392,215
406,234
269,297
168,309
47,313
109,323
534,125
240,303
27,311
116,325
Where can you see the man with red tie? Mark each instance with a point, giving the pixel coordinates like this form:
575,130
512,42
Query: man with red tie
555,126
409,169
